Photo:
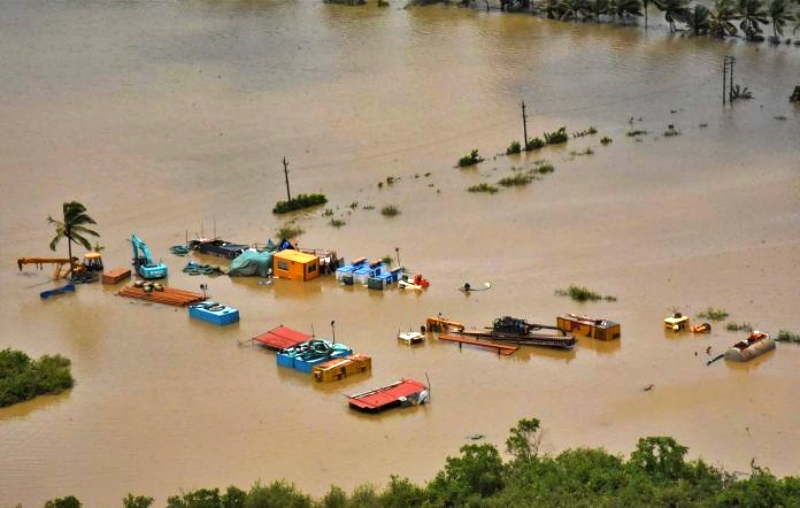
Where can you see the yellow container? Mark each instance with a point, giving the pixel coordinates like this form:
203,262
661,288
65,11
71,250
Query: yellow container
601,329
340,368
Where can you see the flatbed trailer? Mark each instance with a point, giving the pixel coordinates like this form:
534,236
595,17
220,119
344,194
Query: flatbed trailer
562,341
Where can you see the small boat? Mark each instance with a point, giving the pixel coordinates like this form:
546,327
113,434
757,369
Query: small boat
756,344
411,337
402,393
68,288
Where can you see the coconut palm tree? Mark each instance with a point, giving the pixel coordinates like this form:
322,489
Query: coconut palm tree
720,23
752,15
698,19
623,9
72,227
572,9
674,11
779,14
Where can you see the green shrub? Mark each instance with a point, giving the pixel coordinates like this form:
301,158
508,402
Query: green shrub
519,178
583,294
543,167
471,158
556,137
605,140
636,132
390,211
299,202
713,314
787,336
738,327
23,379
534,144
513,148
483,187
289,231
337,223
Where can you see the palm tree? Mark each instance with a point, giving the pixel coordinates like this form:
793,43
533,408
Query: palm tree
720,23
627,8
674,11
753,15
72,227
572,9
698,19
778,11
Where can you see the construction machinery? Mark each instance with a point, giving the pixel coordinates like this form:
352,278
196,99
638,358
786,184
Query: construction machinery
143,262
72,266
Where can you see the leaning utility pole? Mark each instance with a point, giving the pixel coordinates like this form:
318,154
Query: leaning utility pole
727,78
286,174
724,77
525,126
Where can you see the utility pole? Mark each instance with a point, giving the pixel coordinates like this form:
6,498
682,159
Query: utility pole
727,61
724,77
525,126
286,174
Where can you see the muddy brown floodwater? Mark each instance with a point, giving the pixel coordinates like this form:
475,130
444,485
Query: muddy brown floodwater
170,119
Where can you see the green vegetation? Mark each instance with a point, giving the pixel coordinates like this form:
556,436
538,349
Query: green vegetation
518,178
671,131
738,327
713,314
300,202
534,144
390,211
656,474
470,159
22,378
583,294
289,231
483,187
387,260
513,148
635,133
337,223
72,226
543,167
787,336
605,140
556,137
591,131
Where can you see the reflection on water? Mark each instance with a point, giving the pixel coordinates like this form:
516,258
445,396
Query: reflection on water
162,115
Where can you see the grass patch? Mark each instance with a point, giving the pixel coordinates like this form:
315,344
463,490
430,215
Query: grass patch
787,336
289,231
390,211
519,178
583,294
738,327
299,202
713,314
605,140
513,148
22,378
337,223
543,167
591,131
636,133
483,187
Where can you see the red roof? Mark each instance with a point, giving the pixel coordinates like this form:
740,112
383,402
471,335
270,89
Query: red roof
281,338
386,395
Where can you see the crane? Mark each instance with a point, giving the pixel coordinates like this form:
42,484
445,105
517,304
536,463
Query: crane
143,262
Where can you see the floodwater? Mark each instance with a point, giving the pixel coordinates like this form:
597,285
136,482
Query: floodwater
170,119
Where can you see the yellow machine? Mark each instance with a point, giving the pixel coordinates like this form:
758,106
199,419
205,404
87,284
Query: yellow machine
442,324
59,272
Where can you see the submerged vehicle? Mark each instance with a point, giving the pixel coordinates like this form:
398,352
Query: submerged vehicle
756,344
143,262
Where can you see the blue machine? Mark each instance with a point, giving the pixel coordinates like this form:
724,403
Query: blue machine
143,262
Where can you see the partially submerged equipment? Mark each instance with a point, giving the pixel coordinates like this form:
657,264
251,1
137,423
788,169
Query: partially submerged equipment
68,288
411,337
305,356
402,393
676,322
756,344
601,329
339,368
143,261
213,312
252,262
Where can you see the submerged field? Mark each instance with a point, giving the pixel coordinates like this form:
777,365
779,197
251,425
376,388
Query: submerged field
171,120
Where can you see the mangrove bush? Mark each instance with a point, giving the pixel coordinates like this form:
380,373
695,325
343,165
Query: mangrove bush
22,378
